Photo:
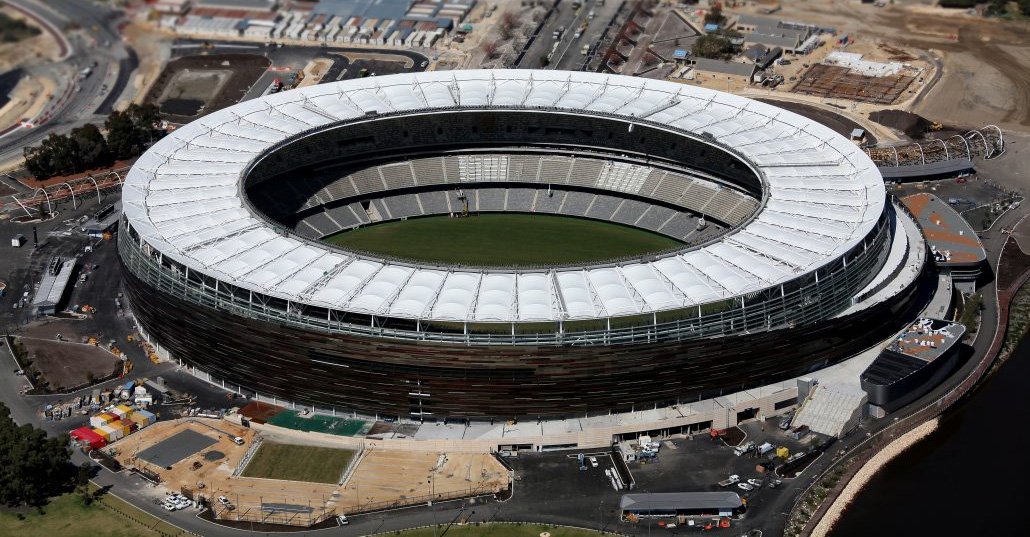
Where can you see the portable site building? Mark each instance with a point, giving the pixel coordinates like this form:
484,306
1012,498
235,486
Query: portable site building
86,436
121,411
103,433
143,418
114,431
101,419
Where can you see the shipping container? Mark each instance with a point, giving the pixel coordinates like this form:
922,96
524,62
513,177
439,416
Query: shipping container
143,418
101,419
121,410
88,437
103,433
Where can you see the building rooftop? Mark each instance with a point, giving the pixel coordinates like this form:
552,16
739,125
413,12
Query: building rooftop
671,501
724,67
183,197
927,339
264,5
952,242
55,281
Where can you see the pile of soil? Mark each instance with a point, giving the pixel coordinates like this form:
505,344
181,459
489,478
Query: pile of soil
912,125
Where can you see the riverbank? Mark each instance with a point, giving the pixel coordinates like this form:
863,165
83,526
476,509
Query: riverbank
866,473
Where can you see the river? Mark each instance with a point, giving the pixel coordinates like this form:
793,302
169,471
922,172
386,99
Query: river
968,478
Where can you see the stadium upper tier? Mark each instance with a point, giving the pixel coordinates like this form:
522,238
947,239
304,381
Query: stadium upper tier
184,201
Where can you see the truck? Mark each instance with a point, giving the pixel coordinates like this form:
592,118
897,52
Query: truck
585,50
744,448
729,481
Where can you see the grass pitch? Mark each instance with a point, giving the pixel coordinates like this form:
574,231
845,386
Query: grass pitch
503,240
298,463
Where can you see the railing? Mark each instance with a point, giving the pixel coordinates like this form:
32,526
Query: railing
815,299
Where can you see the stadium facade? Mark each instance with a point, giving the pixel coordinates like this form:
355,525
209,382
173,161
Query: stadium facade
789,240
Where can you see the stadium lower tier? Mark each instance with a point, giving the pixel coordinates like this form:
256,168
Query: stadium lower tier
434,380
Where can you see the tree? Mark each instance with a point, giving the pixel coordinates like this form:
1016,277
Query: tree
91,146
130,131
33,467
711,46
121,141
82,484
715,16
56,154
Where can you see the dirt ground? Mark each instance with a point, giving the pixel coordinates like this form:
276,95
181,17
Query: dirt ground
182,476
380,477
33,50
388,475
245,69
314,71
65,365
986,62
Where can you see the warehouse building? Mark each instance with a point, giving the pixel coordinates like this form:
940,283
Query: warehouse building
677,504
53,285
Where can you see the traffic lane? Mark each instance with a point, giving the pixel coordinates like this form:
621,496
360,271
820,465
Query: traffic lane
544,41
603,16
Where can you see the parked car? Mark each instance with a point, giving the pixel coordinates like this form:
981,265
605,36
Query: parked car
169,506
223,500
745,486
237,440
755,483
593,462
342,519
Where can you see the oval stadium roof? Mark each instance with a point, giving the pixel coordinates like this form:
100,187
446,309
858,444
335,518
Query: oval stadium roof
184,198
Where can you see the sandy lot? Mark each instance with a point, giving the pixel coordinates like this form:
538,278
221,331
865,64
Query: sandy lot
35,49
65,365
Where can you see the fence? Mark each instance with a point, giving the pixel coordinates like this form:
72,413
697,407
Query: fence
285,515
372,507
254,445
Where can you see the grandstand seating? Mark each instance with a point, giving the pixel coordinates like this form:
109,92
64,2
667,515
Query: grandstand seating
549,202
603,207
520,199
488,199
402,206
629,211
576,203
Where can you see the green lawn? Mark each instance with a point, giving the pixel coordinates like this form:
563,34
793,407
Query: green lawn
503,239
298,463
502,530
66,516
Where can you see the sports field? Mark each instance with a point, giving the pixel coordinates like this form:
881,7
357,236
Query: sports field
503,240
298,463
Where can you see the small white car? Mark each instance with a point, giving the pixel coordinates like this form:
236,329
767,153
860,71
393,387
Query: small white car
593,462
169,506
755,483
223,500
745,486
237,440
342,519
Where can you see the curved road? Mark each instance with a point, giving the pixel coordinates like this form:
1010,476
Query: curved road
98,46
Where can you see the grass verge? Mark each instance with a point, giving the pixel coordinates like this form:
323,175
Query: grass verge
298,463
503,240
67,516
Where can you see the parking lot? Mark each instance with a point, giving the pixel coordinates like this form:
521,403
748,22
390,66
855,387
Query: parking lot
552,488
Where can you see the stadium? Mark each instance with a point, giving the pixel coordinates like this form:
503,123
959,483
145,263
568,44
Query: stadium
756,245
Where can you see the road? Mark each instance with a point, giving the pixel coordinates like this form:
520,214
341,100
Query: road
76,101
566,52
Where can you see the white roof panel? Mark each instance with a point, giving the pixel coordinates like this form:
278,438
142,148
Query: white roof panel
824,196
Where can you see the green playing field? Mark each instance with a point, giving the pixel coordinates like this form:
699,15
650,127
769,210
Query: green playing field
503,240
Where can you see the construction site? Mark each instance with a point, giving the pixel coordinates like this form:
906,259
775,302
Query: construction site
207,459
